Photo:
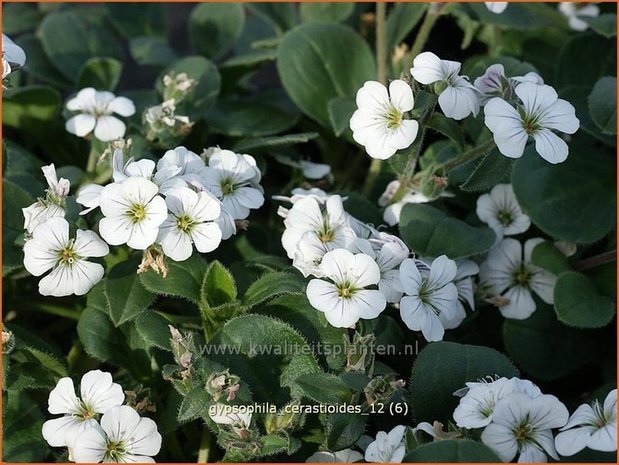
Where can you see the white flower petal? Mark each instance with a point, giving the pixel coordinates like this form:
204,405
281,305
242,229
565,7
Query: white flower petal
90,446
501,440
89,244
99,391
121,106
109,128
401,95
81,125
206,237
427,68
551,147
62,398
373,96
521,304
573,441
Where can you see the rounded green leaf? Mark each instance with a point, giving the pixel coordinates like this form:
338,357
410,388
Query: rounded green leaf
71,39
493,169
215,27
218,287
271,285
324,388
444,367
252,341
100,73
452,451
603,104
430,232
584,59
126,295
138,19
320,61
184,279
28,107
578,303
249,119
326,11
573,201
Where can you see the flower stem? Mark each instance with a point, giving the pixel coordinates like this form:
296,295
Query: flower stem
470,155
381,70
596,260
205,447
93,159
429,20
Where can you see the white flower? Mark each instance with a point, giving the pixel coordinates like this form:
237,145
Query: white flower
496,7
13,56
477,406
494,83
95,110
431,296
165,115
510,274
311,232
541,112
457,96
234,179
500,210
190,221
388,251
313,170
593,426
58,189
466,293
393,211
523,425
98,394
574,11
297,194
388,447
132,213
122,437
341,456
223,414
51,249
345,299
226,224
89,196
39,212
169,174
378,124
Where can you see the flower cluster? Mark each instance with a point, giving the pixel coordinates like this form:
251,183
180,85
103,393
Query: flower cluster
96,427
180,203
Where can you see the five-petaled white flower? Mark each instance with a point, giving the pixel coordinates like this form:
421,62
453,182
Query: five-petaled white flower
132,213
234,179
95,109
344,299
541,112
431,298
500,210
388,447
123,437
511,275
341,456
496,7
523,425
311,232
477,405
458,98
379,124
593,426
51,249
190,221
98,394
574,12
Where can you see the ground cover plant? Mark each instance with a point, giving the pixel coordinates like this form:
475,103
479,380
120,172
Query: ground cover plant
327,232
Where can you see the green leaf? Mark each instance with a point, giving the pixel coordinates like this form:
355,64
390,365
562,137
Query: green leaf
340,111
320,61
605,24
324,388
215,27
81,39
582,214
28,107
430,232
493,169
449,128
521,15
249,119
271,285
578,96
126,295
15,198
545,348
452,451
444,367
584,59
184,279
138,19
344,430
218,287
281,353
204,94
602,104
246,145
22,421
401,20
271,444
578,303
154,329
282,16
547,256
194,405
326,11
151,51
100,73
18,18
38,64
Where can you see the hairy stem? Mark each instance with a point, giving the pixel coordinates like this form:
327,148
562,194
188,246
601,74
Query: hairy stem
596,260
93,159
205,447
381,63
429,20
